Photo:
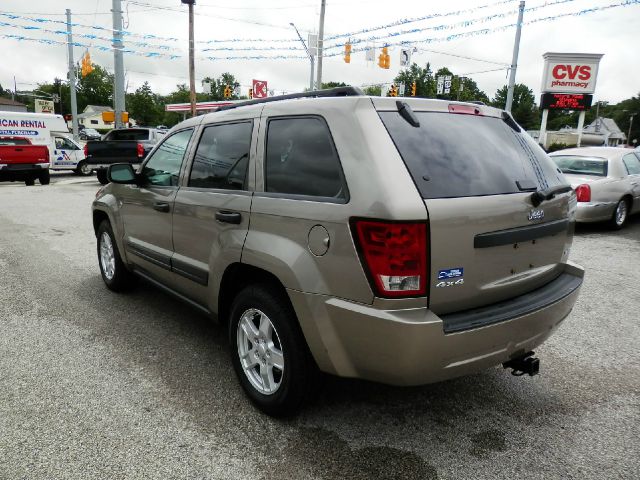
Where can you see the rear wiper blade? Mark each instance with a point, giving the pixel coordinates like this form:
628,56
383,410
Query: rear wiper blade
541,195
406,112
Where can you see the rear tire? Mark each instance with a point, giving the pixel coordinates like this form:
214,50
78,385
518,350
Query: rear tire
113,270
277,371
29,182
620,215
44,177
102,176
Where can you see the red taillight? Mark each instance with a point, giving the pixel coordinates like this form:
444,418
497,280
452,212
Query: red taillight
140,150
583,192
394,256
86,150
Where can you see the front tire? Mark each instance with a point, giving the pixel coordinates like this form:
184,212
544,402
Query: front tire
620,215
44,177
83,169
114,273
269,352
102,176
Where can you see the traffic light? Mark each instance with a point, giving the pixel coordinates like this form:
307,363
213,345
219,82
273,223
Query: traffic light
413,89
347,52
393,91
384,60
227,91
251,93
87,68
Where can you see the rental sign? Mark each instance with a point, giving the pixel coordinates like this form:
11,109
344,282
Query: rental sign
570,72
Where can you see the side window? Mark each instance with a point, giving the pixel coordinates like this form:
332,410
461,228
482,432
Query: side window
63,143
632,163
301,159
222,157
163,168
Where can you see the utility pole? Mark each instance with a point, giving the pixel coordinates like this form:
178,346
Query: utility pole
118,63
192,67
514,60
320,44
311,59
72,79
630,124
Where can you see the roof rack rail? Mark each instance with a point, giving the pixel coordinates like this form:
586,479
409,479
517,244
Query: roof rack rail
330,92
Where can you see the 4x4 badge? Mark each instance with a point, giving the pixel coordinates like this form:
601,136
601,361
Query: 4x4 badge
536,215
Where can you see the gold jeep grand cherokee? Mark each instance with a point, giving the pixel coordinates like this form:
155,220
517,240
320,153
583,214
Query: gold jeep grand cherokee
403,241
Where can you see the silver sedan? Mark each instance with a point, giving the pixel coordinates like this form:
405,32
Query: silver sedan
606,181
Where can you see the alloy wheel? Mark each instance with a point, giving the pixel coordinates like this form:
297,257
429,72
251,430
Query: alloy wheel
260,351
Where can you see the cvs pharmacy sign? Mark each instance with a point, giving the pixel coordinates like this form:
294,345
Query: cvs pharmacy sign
570,72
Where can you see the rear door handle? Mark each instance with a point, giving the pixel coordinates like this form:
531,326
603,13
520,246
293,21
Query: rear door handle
229,217
161,206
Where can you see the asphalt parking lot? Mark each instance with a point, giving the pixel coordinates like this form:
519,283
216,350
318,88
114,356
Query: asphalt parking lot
99,385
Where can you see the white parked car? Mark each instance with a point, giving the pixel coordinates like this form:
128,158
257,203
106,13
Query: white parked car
606,181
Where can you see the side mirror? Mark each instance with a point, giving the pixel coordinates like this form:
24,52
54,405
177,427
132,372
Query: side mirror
121,173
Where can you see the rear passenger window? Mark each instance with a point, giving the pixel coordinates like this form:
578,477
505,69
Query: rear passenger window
301,159
632,163
222,157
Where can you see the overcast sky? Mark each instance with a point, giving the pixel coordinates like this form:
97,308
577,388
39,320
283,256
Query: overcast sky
614,32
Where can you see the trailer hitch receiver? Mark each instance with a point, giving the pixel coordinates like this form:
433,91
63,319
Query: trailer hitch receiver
525,364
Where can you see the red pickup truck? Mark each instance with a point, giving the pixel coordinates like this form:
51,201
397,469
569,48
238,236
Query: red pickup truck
22,161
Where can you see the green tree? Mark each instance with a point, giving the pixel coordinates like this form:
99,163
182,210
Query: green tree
5,93
469,92
145,107
95,89
523,109
218,86
180,95
425,83
373,90
61,89
333,85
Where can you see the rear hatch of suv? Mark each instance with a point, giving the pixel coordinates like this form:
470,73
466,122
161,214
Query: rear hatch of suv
476,171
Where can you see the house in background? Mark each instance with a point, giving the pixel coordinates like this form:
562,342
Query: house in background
8,105
91,117
601,132
608,130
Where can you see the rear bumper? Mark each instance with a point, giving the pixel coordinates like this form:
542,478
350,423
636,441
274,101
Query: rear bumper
20,171
410,346
594,211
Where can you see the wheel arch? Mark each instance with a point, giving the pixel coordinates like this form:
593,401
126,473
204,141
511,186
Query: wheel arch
236,277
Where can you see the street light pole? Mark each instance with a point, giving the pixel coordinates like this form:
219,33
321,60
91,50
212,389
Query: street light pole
311,59
118,64
192,68
514,60
320,44
630,124
72,79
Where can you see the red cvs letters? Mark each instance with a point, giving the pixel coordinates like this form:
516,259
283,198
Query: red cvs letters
583,72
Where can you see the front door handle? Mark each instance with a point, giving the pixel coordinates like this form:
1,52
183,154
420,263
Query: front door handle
229,217
161,206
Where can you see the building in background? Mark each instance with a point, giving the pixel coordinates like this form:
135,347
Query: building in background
8,105
601,132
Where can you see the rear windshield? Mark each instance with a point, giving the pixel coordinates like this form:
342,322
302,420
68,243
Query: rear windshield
127,134
578,165
454,155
